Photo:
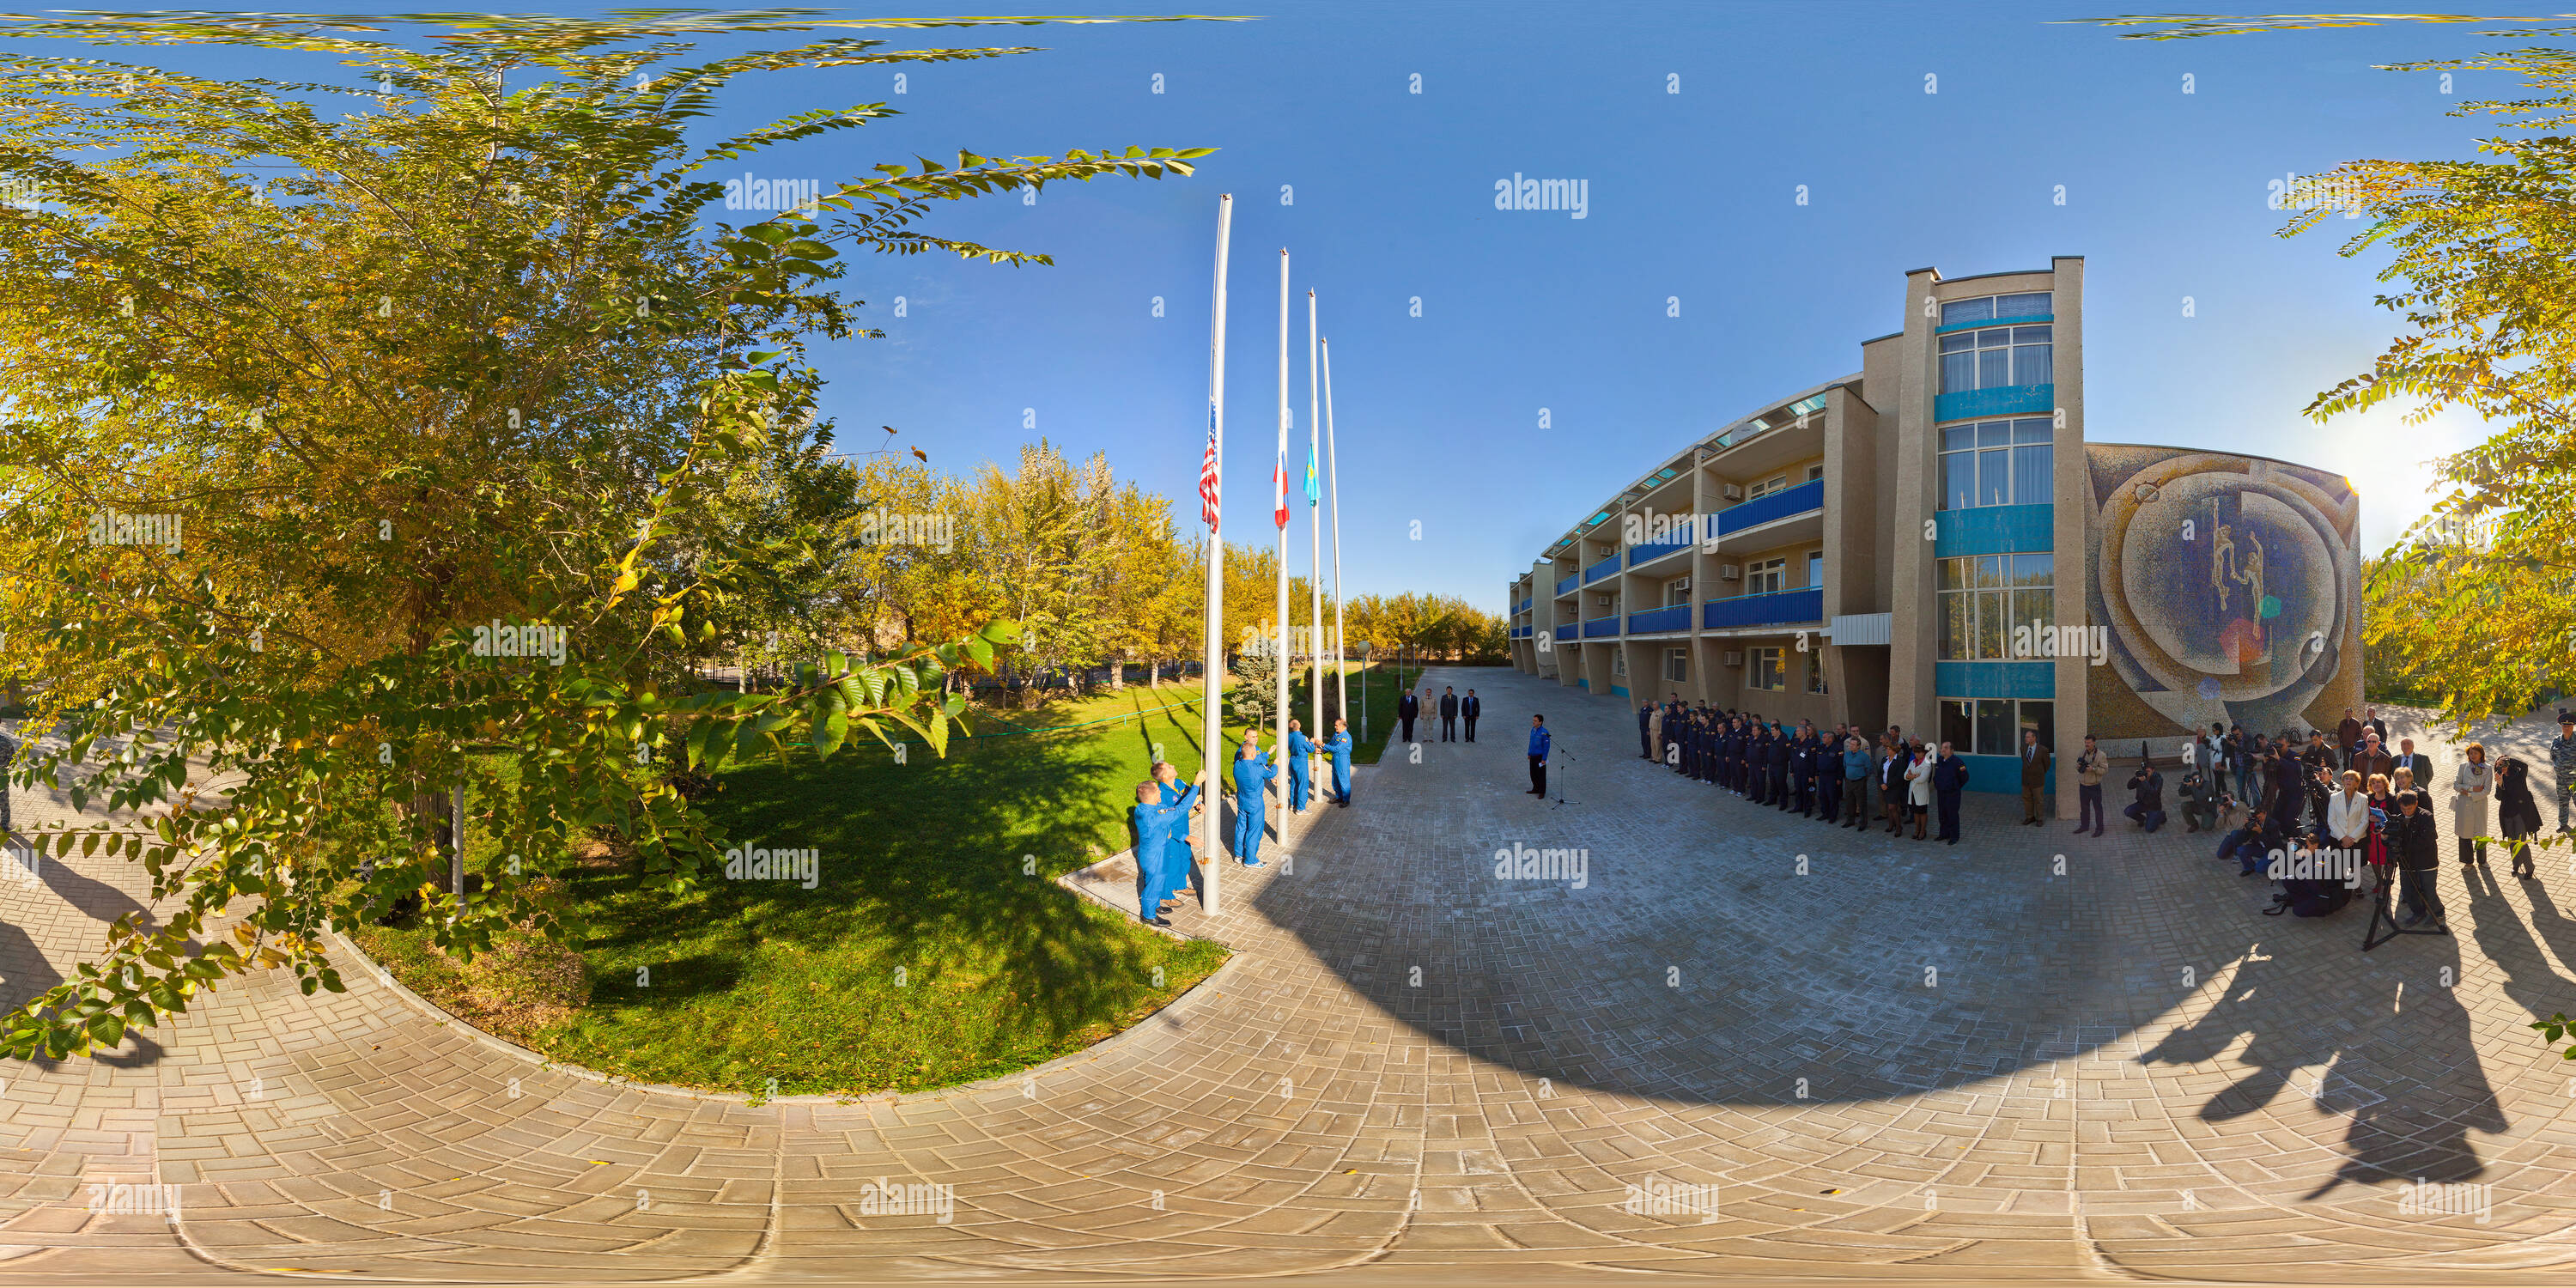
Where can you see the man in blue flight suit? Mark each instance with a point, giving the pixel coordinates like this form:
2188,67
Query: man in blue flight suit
1784,766
1538,747
1300,771
1155,822
1802,763
1180,860
1339,748
1252,774
1949,778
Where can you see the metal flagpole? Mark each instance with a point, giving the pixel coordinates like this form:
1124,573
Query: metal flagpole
1212,693
1333,484
1314,532
1279,488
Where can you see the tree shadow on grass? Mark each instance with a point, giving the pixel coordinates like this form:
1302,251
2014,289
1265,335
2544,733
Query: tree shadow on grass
943,868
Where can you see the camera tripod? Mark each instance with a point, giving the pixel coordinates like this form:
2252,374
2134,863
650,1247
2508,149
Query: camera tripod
2379,912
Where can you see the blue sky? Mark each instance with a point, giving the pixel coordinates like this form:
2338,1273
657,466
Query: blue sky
1692,194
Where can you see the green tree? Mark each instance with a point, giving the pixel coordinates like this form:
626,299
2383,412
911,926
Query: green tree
408,398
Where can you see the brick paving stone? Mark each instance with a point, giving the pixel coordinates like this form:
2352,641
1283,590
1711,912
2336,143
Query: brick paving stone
1477,1070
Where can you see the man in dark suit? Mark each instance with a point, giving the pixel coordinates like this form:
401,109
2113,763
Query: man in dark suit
1448,714
1406,708
1470,707
1645,730
2418,764
1949,778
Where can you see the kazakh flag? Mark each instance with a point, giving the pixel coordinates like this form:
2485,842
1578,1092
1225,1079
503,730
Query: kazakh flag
1314,480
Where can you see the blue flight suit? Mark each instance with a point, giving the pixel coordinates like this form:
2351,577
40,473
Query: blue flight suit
1178,855
1300,772
1154,827
1339,748
1251,808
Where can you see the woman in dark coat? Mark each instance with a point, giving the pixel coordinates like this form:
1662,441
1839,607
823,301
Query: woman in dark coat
2518,815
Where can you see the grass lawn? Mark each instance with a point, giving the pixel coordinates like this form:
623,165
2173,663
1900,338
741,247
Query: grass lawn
935,948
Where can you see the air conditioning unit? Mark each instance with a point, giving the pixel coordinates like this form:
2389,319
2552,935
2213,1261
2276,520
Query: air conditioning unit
1731,492
1601,602
1730,572
1735,657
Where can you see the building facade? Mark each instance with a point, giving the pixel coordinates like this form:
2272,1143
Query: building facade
1931,542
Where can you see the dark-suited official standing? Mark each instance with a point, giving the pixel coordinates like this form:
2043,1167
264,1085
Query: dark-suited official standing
1949,778
1538,746
1649,724
1406,708
1448,714
1470,707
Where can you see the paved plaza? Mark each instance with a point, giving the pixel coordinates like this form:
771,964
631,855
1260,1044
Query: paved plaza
1738,1041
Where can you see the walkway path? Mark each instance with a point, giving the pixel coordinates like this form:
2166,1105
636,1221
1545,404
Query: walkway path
1885,1056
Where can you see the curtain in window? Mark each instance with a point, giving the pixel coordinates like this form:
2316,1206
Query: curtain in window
1994,368
1994,481
1958,480
1959,370
2032,364
2032,467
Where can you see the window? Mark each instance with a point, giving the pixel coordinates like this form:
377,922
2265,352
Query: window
1677,591
1983,597
1766,488
1993,726
1677,665
1997,308
1619,662
1766,577
1815,567
1815,472
1998,462
1816,671
1995,357
1764,672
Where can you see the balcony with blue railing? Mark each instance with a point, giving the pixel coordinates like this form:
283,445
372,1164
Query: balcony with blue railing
2002,400
1565,585
1600,570
1520,632
1600,626
1778,608
1640,555
1769,509
1671,617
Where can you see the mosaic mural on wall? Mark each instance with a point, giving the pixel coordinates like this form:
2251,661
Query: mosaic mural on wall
2231,586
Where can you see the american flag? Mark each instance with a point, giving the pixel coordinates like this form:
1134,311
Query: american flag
1208,489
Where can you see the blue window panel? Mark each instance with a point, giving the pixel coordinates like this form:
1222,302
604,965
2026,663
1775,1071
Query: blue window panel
1672,617
1996,679
2003,774
1766,509
2009,400
1996,530
1971,326
1782,608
